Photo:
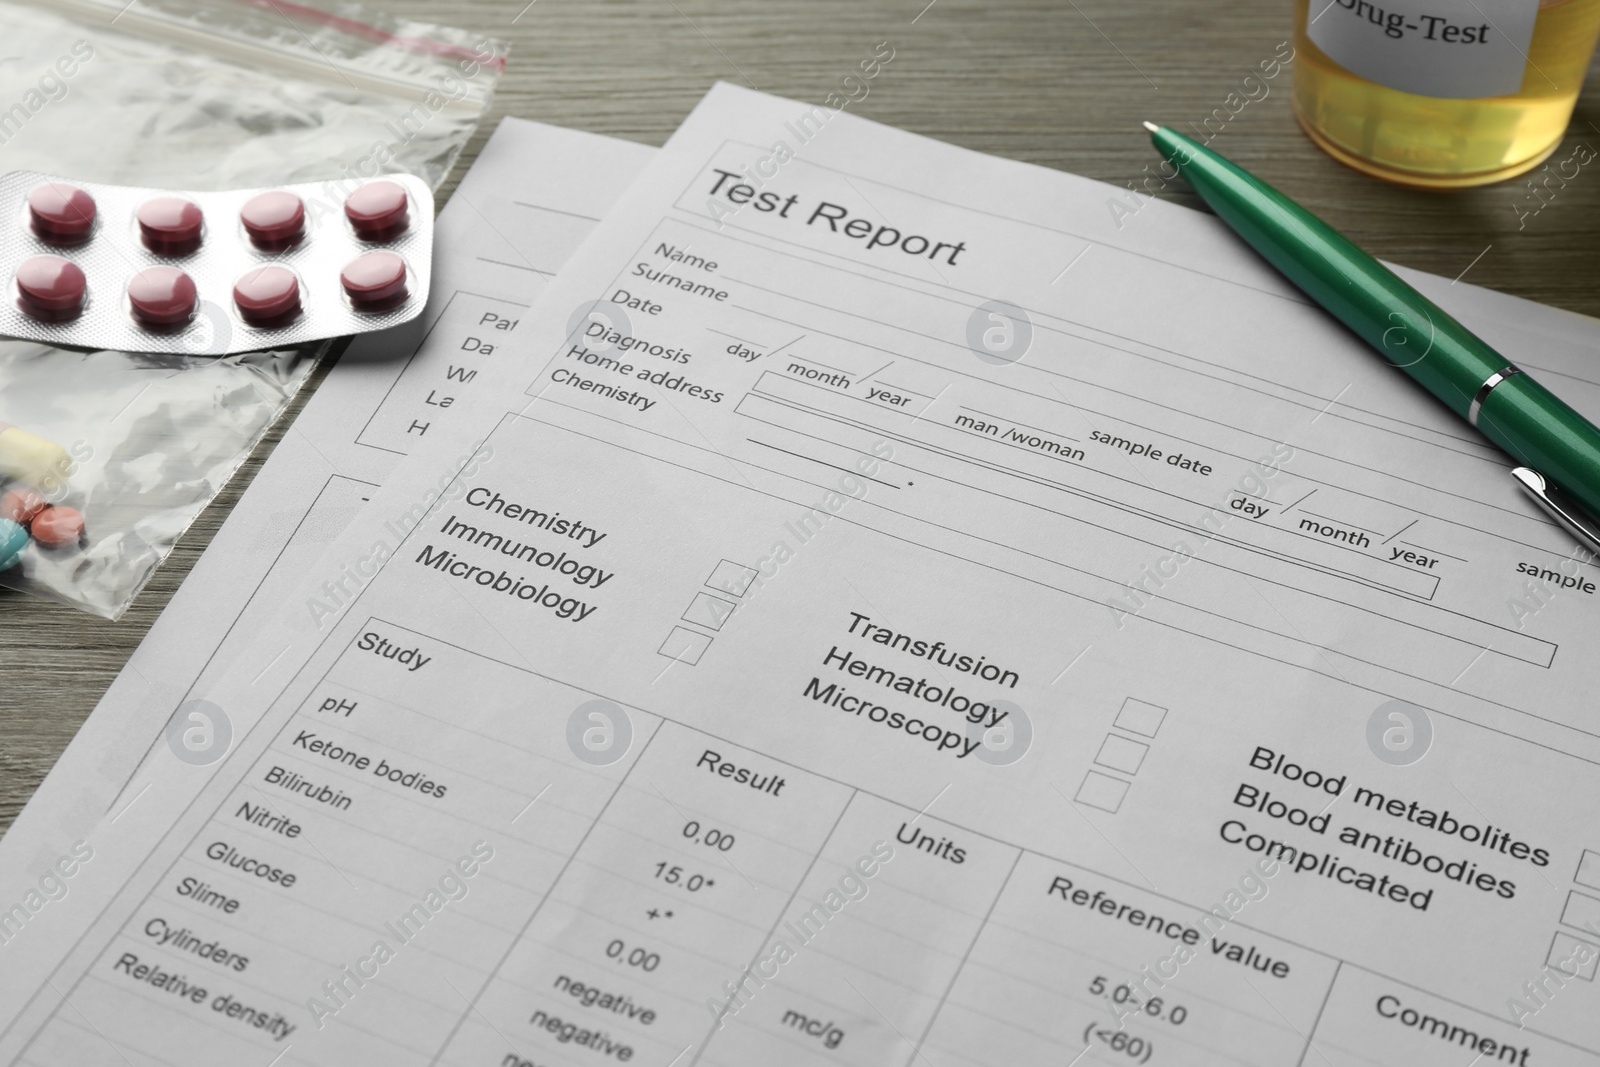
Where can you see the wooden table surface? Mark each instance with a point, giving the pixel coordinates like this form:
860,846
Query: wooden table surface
1063,84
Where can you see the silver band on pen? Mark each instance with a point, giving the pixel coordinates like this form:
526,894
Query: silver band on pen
1485,389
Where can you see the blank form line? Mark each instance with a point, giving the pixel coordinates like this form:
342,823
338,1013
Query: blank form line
555,210
818,363
822,463
1400,531
736,337
1435,551
483,296
1320,649
1302,500
903,389
786,344
516,266
874,374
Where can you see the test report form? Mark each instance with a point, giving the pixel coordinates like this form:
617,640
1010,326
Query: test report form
529,200
898,607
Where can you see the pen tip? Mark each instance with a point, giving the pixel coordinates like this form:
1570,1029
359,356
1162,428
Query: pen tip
1152,127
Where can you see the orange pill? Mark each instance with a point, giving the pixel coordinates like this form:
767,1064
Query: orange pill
21,504
55,527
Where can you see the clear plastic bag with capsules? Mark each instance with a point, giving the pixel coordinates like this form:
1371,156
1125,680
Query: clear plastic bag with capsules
106,457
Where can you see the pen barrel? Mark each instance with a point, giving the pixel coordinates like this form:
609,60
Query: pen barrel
1534,426
1410,330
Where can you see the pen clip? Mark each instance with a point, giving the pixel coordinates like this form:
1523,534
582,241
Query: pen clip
1558,507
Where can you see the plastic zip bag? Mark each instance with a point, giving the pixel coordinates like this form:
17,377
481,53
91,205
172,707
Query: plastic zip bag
198,94
167,432
224,94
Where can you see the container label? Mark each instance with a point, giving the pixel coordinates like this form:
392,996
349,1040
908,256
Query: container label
1461,49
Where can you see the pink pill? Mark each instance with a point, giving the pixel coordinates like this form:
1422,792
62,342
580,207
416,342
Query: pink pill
50,288
274,220
55,527
375,281
61,214
21,504
170,225
266,295
161,296
377,211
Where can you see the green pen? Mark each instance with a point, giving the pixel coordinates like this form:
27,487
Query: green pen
1558,449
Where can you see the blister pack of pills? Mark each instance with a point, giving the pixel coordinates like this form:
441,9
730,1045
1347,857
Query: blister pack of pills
102,266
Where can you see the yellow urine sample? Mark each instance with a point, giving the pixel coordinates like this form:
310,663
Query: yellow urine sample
1437,142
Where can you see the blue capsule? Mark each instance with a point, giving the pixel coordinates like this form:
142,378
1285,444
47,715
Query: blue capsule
13,539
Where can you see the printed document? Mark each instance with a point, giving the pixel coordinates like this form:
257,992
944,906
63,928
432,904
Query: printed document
892,605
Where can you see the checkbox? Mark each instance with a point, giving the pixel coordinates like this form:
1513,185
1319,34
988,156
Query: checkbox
1121,754
709,611
1582,912
1566,951
684,646
731,577
1588,869
1138,717
1102,791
